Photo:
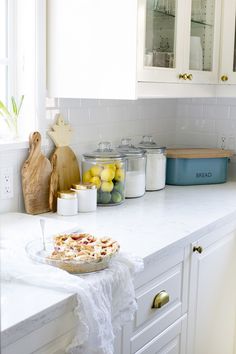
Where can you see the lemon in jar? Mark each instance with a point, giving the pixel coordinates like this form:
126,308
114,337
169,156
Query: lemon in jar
120,175
107,186
111,166
107,174
87,176
116,197
105,198
96,181
96,170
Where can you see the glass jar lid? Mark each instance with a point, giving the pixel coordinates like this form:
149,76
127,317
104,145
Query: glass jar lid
83,186
69,194
130,150
148,144
104,151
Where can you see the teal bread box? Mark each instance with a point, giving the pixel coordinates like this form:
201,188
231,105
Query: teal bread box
196,166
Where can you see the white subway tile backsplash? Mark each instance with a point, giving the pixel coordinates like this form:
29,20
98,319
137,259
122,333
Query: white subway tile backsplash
191,122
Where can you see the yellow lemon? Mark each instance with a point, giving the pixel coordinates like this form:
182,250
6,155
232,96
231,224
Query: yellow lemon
96,170
110,165
120,175
86,176
107,174
107,186
119,165
96,181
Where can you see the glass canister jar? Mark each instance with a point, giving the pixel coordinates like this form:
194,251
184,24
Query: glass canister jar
135,172
106,169
156,164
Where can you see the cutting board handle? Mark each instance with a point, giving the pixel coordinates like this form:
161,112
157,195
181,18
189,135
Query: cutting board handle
35,144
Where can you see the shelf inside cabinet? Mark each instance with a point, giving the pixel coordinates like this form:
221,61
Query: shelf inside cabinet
164,13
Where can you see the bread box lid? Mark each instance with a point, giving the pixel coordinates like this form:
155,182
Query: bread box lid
195,153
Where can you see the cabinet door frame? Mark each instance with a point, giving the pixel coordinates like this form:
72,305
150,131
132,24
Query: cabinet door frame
211,242
227,42
158,74
203,77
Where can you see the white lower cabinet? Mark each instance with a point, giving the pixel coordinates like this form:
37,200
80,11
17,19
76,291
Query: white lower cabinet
200,316
212,299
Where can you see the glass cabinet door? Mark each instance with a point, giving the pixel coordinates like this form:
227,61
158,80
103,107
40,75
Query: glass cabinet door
228,43
234,54
160,41
202,35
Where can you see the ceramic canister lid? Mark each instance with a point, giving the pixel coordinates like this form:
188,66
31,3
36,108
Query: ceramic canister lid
148,144
104,151
130,150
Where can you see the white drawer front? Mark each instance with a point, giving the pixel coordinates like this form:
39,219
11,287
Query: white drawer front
171,283
170,341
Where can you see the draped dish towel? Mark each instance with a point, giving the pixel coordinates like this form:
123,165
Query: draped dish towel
105,300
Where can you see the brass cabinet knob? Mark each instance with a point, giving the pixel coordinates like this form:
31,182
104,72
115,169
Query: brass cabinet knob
160,299
198,249
183,76
190,77
224,78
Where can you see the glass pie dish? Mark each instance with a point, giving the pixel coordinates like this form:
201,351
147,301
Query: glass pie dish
44,254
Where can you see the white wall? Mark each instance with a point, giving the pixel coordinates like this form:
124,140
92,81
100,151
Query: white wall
182,122
92,121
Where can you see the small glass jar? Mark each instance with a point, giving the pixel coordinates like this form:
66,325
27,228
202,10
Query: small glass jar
87,197
135,173
106,169
156,164
67,204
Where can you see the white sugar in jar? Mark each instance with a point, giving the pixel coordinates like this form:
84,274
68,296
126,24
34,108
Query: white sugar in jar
67,203
86,197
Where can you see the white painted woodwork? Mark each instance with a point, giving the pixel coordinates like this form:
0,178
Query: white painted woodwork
227,42
91,48
212,302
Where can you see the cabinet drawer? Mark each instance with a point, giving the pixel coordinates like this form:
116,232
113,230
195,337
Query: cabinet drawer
149,321
170,341
171,283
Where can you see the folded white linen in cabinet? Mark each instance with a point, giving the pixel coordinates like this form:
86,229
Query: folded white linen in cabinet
105,300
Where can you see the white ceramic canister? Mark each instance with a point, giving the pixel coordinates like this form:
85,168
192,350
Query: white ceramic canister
135,173
67,203
87,197
156,164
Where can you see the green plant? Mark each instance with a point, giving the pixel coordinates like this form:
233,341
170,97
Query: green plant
11,118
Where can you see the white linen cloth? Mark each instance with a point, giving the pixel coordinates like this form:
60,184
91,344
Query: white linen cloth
105,300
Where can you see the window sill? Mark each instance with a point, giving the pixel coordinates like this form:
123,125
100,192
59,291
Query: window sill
6,145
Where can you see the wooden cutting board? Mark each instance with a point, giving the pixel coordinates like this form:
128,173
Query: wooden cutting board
65,165
36,173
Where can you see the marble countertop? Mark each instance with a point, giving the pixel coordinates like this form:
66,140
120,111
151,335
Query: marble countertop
146,226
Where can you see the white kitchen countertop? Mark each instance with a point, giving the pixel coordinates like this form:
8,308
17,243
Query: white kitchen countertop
146,226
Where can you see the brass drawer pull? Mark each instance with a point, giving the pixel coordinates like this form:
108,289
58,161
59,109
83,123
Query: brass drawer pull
198,249
224,78
160,299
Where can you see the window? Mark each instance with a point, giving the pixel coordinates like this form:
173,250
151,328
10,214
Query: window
21,59
7,49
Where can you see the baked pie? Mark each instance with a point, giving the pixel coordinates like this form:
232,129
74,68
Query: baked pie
78,253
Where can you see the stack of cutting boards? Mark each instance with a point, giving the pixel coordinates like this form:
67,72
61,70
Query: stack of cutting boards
41,178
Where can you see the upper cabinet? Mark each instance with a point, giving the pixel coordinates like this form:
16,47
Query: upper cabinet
179,41
227,73
91,48
125,49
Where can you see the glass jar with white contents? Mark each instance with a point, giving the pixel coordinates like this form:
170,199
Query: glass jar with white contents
156,164
135,173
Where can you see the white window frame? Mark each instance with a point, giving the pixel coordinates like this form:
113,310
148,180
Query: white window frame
30,64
